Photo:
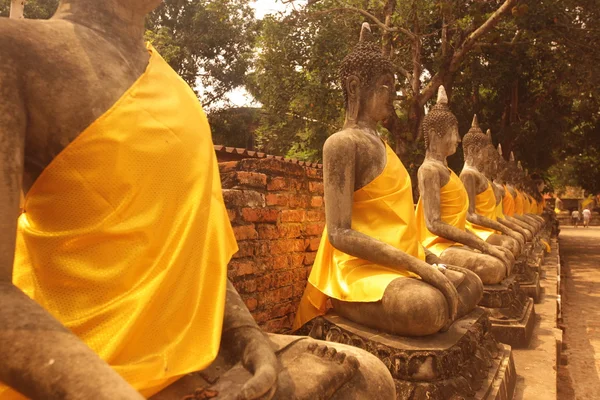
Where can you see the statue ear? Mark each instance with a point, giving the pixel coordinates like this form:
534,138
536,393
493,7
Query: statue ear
353,87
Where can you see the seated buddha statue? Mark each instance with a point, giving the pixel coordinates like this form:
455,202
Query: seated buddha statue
113,282
502,178
444,203
515,185
481,215
370,263
491,171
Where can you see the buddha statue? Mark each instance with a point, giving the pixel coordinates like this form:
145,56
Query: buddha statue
443,206
503,213
119,287
370,263
515,186
481,214
508,200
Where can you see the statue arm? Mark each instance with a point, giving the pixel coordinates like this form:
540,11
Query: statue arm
470,182
430,187
339,162
40,357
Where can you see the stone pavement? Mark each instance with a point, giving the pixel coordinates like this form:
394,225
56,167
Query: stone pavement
580,257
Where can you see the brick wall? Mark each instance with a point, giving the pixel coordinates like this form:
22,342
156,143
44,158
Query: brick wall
276,210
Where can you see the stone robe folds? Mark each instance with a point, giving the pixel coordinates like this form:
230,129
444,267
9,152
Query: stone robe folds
485,205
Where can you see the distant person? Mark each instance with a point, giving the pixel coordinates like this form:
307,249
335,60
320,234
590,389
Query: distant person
575,217
587,215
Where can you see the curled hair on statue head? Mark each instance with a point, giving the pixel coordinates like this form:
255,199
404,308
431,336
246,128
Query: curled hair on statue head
475,140
365,62
439,119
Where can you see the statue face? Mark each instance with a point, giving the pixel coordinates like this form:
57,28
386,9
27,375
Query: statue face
450,139
378,98
490,167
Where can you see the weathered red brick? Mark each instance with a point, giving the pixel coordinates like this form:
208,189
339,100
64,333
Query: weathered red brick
315,216
309,258
239,179
283,279
251,303
315,187
296,260
246,286
246,249
299,275
293,215
232,214
298,288
272,165
277,199
275,296
228,166
282,309
283,246
314,229
314,173
278,184
237,268
279,325
235,198
314,244
280,262
265,283
260,214
299,201
316,201
245,232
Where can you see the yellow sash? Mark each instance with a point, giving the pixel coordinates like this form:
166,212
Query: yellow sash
499,211
383,209
508,202
485,205
526,204
519,203
125,238
454,204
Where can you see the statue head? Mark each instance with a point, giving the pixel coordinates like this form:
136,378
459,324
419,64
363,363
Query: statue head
440,127
490,168
502,169
367,79
475,144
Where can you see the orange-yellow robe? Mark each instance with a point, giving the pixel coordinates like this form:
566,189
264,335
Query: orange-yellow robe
454,204
383,209
125,238
519,206
485,205
508,203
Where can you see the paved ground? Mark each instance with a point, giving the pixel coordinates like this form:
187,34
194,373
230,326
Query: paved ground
580,253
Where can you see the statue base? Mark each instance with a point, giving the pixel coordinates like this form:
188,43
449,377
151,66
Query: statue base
464,362
529,279
512,313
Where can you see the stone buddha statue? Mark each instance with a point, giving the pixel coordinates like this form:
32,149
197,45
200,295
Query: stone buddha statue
443,206
491,170
482,199
515,182
119,287
508,200
370,263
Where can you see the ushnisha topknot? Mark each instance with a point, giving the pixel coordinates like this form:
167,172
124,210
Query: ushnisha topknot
439,119
475,140
364,61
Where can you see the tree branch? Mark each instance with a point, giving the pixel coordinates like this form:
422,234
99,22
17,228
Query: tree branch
463,50
371,17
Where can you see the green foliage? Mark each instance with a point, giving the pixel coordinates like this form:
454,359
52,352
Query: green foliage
234,127
34,9
208,42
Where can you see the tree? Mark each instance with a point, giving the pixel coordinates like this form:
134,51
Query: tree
428,41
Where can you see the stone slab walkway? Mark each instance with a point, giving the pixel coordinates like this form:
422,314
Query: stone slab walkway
580,256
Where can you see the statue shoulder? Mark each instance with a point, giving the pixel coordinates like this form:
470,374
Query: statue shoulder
19,38
432,170
342,141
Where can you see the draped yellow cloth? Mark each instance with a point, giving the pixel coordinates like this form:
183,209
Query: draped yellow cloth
485,205
519,202
384,210
454,204
499,211
526,204
125,238
508,203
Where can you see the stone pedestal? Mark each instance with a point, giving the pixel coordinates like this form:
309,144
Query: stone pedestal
466,362
512,313
529,279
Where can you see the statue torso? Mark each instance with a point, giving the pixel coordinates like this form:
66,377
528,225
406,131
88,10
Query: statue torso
70,75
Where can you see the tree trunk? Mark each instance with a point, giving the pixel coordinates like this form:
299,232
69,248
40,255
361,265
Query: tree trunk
16,8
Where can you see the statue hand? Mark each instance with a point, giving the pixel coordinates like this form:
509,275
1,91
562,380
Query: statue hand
519,238
258,357
499,254
437,279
